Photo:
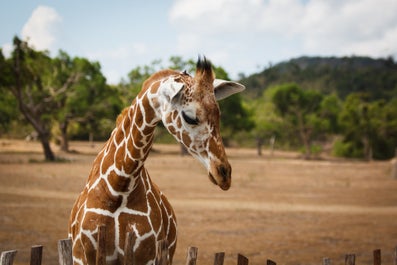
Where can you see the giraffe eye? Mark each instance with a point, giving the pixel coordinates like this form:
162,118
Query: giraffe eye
189,120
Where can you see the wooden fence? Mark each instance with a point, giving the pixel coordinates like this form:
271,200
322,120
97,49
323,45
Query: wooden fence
65,254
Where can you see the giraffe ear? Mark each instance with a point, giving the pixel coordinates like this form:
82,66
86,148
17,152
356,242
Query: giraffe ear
173,90
224,89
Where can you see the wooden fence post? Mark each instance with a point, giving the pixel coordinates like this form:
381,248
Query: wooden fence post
377,257
129,258
270,262
350,259
326,261
395,256
219,258
36,254
191,258
241,260
7,257
393,165
65,252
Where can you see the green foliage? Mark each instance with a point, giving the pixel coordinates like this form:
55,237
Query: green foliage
347,149
300,110
303,102
8,103
369,128
91,102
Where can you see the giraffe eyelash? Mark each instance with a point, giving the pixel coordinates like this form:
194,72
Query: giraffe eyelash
189,120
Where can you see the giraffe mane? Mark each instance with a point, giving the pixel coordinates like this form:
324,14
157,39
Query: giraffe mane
157,76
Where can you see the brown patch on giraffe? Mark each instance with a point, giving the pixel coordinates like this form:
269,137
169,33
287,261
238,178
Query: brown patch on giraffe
174,116
215,148
119,136
186,138
130,165
204,154
137,199
155,87
146,149
119,184
89,250
179,122
141,223
137,145
146,250
127,123
138,117
78,250
149,112
171,129
119,157
107,161
155,213
101,197
148,130
155,103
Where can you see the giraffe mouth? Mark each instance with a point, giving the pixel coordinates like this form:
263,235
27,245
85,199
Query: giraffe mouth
211,177
224,185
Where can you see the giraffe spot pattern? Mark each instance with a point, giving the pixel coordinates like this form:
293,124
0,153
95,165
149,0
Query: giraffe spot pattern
119,192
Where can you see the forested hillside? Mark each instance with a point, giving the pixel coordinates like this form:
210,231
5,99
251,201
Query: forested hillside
348,102
377,78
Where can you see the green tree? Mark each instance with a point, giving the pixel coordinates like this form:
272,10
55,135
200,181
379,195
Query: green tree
31,82
300,110
8,104
369,128
89,101
268,125
329,110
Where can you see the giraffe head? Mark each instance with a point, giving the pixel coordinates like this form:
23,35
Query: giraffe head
191,114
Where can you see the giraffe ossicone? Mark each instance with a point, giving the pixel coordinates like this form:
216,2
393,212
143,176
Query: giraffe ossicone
119,192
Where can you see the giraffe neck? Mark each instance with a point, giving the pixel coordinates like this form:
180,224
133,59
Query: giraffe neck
124,154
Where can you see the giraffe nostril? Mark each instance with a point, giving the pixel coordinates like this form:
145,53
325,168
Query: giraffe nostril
224,172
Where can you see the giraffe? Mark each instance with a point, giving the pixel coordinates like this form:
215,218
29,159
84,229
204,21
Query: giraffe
119,192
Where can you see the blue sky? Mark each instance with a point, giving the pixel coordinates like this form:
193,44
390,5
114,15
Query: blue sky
242,36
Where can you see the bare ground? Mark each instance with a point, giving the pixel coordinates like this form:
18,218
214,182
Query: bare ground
280,208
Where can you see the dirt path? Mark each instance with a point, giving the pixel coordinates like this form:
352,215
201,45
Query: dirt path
282,208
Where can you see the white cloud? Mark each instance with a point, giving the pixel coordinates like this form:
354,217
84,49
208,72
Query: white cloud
7,49
41,28
342,28
117,61
314,27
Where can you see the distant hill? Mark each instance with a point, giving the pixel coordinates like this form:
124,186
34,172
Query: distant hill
344,75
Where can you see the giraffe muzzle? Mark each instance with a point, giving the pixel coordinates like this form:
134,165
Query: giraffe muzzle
221,176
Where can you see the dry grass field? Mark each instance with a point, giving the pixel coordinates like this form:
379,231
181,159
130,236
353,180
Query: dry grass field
282,208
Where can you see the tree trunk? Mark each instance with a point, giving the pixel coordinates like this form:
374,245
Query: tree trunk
63,127
45,143
259,144
304,136
272,143
367,148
